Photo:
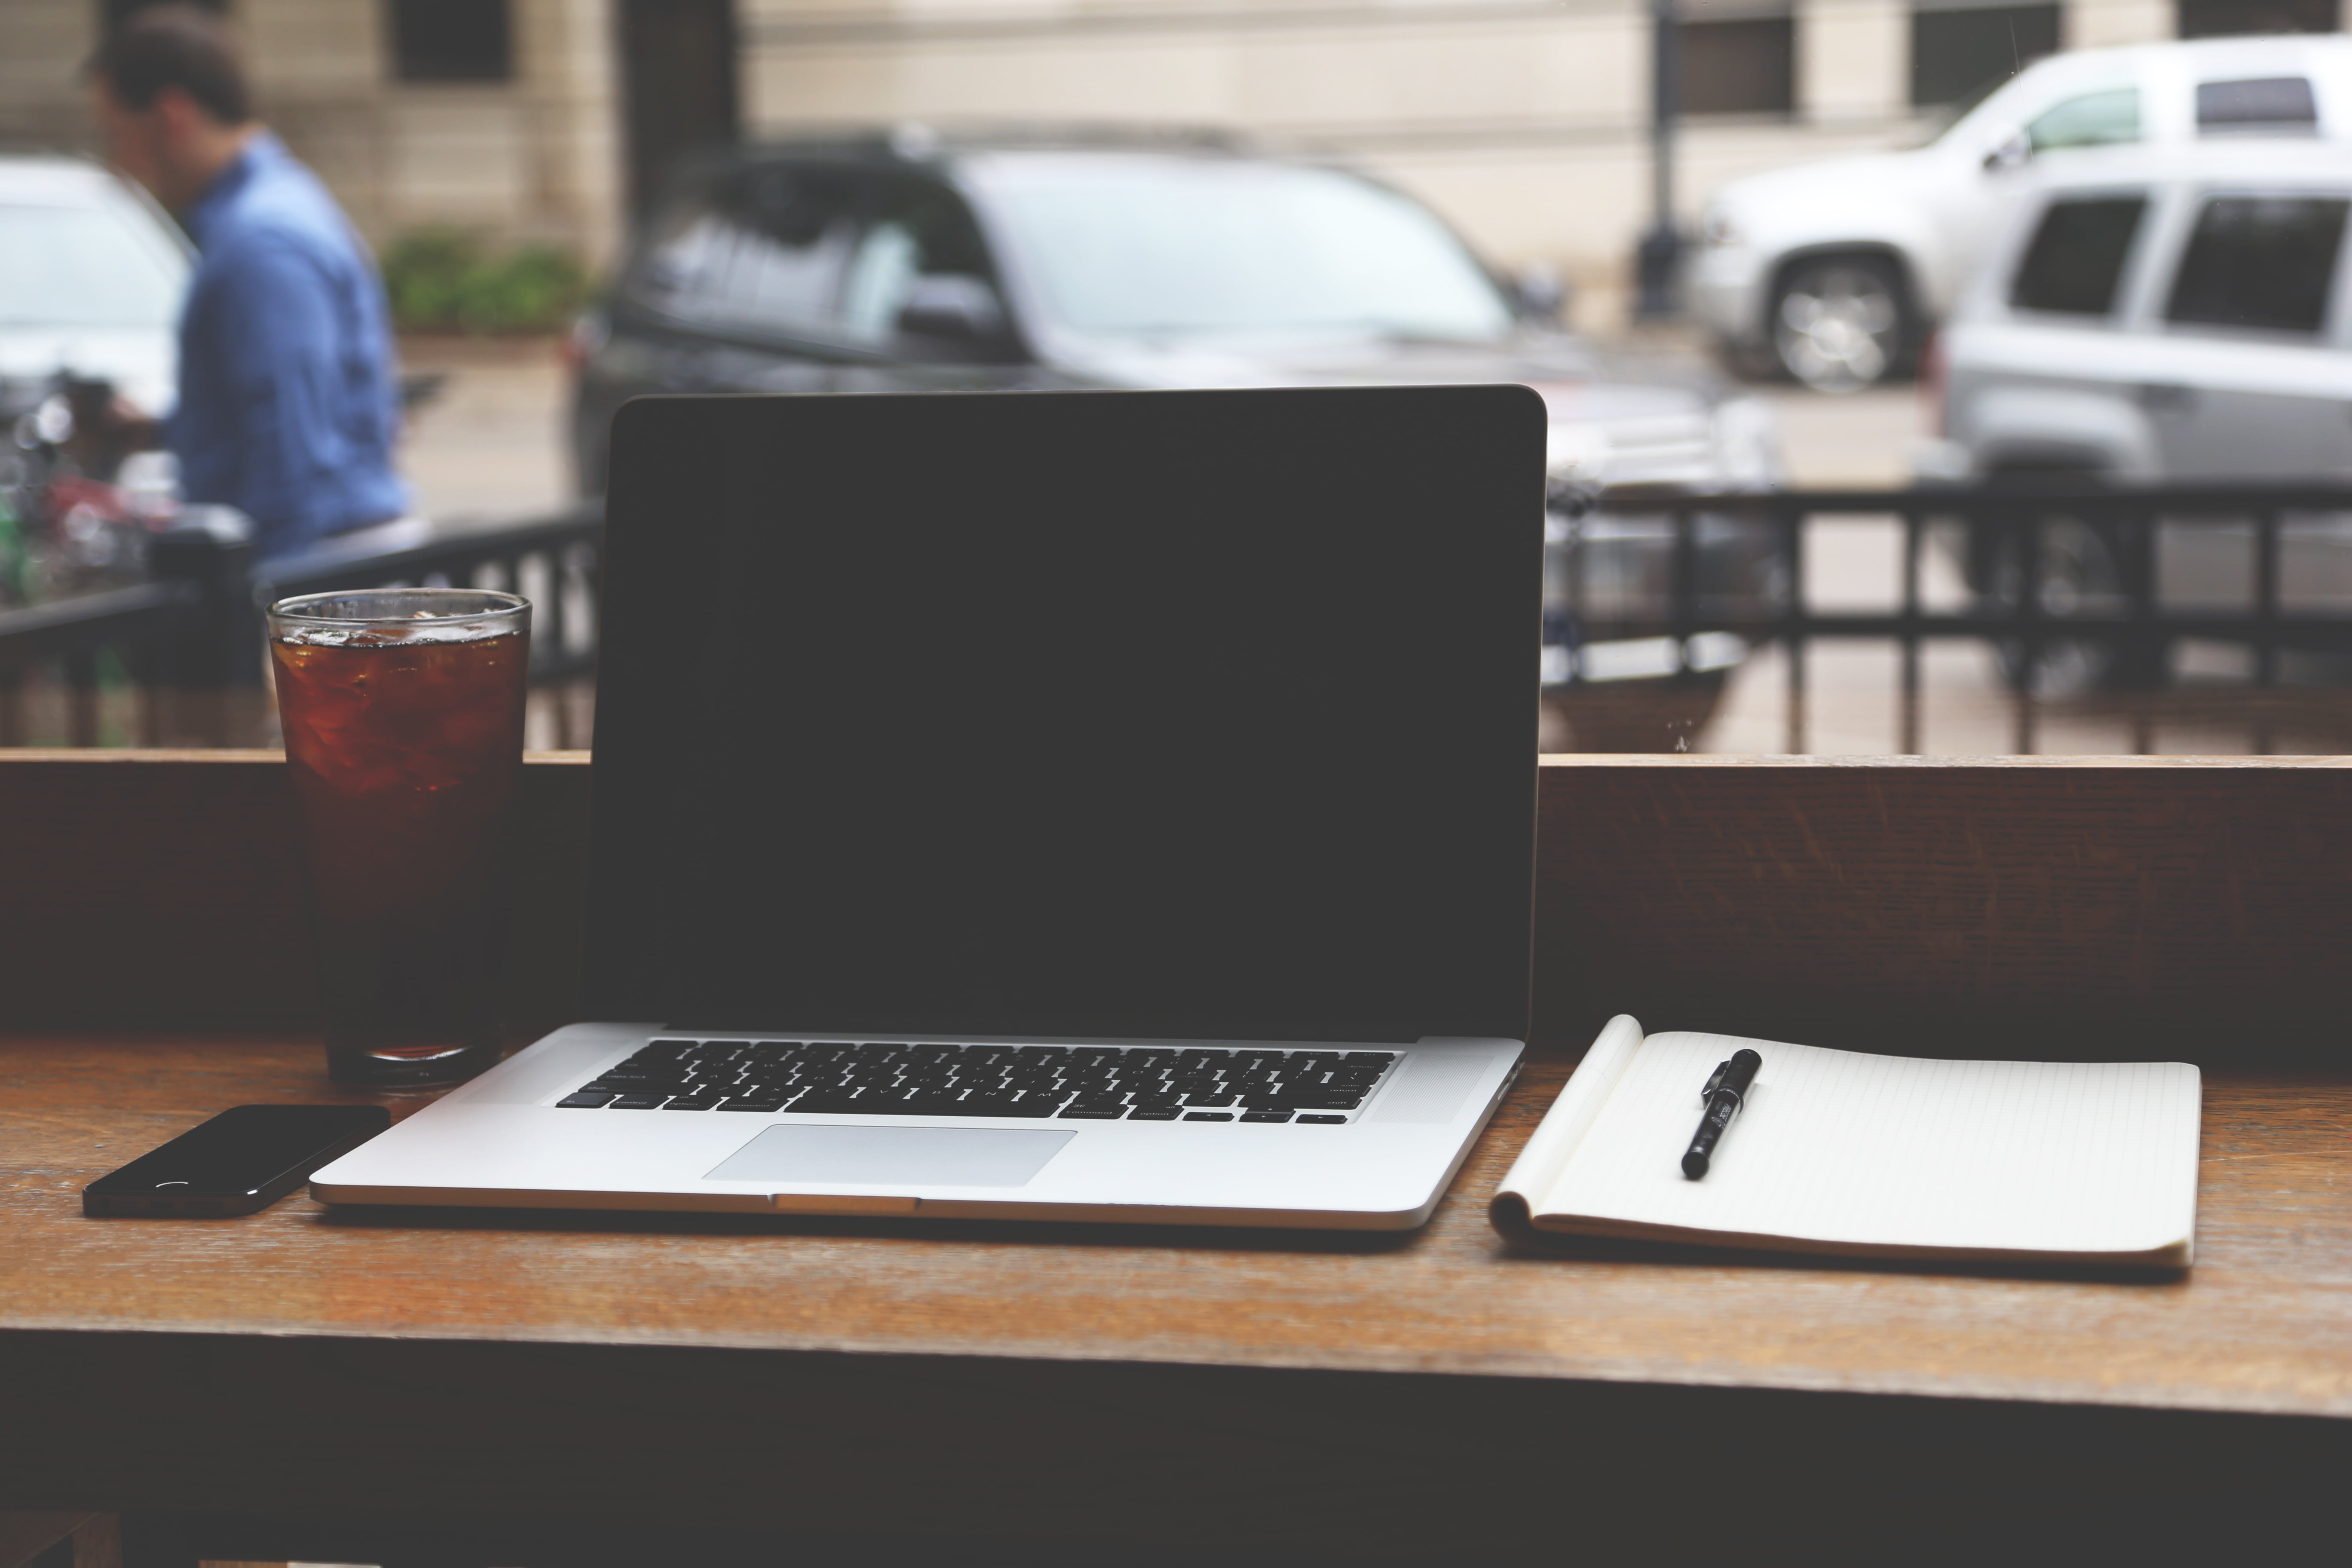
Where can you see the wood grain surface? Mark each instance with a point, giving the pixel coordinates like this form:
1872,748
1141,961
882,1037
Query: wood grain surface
2073,907
1432,1392
2264,1323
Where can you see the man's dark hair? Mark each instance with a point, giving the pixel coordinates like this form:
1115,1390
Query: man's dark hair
186,46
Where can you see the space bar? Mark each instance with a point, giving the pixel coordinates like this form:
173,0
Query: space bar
837,1102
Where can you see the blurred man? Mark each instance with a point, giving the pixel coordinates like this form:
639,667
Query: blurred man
288,404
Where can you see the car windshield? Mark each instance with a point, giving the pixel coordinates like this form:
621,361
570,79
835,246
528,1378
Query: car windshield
83,267
1169,249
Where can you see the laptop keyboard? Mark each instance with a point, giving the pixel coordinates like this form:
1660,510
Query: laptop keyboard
1082,1083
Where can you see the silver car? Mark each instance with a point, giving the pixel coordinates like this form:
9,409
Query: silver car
2178,315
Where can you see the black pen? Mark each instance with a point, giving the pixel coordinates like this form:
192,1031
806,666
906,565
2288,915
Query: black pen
1724,1094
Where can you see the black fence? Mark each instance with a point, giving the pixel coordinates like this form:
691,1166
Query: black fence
187,646
2094,626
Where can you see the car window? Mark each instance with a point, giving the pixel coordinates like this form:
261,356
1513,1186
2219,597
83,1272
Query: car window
2260,261
2268,104
1174,248
2091,120
83,267
2077,256
764,245
917,230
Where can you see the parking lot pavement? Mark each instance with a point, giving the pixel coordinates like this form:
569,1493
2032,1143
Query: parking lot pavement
490,443
1859,441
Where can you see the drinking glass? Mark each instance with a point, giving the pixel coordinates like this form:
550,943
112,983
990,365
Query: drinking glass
403,711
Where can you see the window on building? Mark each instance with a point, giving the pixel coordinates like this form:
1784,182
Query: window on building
452,40
2093,120
2224,18
2076,258
1740,65
117,10
1957,54
2260,261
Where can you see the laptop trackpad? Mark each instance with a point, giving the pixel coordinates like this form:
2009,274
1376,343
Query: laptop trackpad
893,1156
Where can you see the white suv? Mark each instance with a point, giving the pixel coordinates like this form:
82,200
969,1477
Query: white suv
2176,314
2181,313
1838,271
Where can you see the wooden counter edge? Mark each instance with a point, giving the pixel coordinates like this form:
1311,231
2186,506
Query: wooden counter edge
1935,1388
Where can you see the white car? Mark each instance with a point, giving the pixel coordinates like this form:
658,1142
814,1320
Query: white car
92,276
1837,271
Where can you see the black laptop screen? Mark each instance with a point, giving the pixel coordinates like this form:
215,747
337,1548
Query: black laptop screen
1153,714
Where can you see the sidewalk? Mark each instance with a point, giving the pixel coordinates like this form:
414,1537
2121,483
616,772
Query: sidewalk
491,444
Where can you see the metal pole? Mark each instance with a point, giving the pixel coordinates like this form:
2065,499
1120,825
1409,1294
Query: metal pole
1657,263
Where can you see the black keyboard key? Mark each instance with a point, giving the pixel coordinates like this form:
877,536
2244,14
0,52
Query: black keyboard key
1004,1105
1311,1100
1089,1113
947,1102
830,1102
1369,1059
1153,1113
586,1099
1324,1121
693,1102
1208,1116
1209,1100
753,1102
1266,1116
638,1102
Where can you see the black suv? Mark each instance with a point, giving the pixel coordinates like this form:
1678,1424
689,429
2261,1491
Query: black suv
919,261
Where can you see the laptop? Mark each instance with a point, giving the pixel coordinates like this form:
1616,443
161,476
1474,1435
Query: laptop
1101,806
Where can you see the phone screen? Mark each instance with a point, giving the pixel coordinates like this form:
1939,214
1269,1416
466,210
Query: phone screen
246,1157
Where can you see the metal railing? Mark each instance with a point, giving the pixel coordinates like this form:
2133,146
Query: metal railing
188,644
2102,597
195,629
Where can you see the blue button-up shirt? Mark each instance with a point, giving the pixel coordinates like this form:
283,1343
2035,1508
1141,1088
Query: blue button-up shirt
289,405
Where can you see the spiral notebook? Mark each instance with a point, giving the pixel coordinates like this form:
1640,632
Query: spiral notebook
1845,1151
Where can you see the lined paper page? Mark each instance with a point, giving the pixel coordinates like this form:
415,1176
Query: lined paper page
1842,1147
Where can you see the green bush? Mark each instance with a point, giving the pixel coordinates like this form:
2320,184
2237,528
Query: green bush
445,280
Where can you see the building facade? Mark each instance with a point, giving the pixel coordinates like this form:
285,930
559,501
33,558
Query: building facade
1524,120
507,129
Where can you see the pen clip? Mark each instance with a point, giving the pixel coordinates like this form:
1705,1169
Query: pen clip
1713,1081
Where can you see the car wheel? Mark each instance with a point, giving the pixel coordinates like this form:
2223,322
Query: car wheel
2078,573
1839,323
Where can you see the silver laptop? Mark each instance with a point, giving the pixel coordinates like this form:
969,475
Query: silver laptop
1106,807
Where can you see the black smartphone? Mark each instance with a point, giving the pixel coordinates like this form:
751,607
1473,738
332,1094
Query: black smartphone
243,1160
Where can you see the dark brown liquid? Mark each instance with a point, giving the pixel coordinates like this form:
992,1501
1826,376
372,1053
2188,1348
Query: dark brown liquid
404,757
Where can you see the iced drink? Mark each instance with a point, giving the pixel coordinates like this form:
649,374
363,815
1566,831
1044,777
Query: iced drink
403,713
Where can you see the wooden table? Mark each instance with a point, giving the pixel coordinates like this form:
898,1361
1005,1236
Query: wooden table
1436,1392
1098,1395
